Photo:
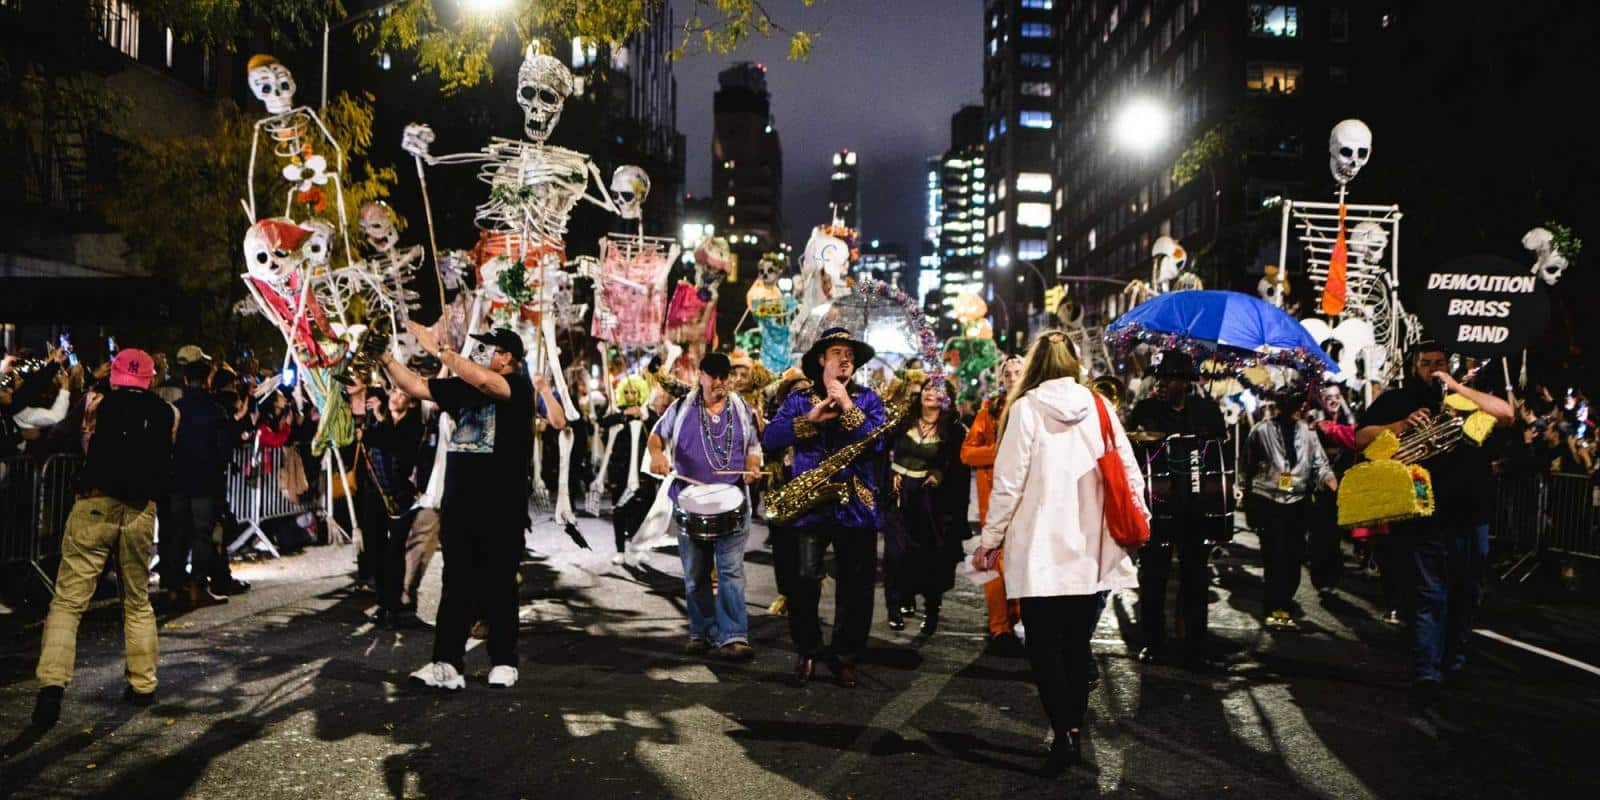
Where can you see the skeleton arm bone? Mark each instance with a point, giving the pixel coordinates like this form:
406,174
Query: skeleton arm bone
599,182
250,176
338,186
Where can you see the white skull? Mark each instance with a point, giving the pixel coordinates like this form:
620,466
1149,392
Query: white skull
378,225
319,245
1170,260
272,250
1368,241
1349,147
543,85
1548,263
272,84
630,185
826,252
1230,411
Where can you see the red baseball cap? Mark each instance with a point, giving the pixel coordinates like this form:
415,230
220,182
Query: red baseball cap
132,369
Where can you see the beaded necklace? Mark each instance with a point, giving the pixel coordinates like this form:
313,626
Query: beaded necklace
718,443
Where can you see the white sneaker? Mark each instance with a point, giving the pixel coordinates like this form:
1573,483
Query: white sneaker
619,558
439,675
503,677
1021,632
5,609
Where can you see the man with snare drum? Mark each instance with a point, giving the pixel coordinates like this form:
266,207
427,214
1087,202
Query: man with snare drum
715,453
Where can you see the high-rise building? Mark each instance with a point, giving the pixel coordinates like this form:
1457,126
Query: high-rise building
844,191
964,200
1019,84
887,262
932,222
746,180
1266,79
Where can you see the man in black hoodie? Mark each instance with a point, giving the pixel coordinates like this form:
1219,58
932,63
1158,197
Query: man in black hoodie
199,479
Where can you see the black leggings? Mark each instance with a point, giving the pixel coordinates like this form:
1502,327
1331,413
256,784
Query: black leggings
1059,629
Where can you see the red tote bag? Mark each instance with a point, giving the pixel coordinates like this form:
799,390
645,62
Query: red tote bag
1124,519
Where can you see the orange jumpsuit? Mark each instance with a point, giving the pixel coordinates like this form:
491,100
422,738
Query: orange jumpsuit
978,451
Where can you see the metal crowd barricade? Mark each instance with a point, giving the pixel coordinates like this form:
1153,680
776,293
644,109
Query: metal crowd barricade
19,481
54,493
254,496
1572,501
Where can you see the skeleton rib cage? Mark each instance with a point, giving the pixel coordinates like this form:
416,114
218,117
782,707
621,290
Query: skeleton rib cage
532,190
1371,287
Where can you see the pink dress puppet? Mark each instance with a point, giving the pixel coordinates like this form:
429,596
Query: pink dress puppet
631,295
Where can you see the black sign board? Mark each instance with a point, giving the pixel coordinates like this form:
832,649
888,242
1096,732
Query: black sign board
1484,305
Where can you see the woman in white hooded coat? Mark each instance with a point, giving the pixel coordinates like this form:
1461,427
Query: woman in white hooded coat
1047,512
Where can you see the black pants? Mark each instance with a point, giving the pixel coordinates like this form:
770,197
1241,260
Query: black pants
186,522
1194,585
1283,550
388,544
480,573
855,553
1059,629
1325,556
627,517
781,539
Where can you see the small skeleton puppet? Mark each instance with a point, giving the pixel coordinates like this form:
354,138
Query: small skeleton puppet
1349,147
289,134
691,313
390,270
1168,262
1273,286
630,276
1548,262
275,253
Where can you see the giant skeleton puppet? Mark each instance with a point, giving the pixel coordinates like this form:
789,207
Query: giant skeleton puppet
1352,260
533,188
1169,272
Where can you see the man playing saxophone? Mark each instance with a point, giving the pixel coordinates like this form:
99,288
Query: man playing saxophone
832,417
1443,554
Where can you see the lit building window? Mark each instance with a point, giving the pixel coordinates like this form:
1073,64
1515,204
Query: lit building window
1042,5
1036,88
1274,19
1036,60
1033,181
730,201
1033,215
1037,30
1032,249
169,48
1036,119
384,62
119,27
1271,78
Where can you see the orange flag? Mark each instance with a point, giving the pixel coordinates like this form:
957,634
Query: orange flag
1333,289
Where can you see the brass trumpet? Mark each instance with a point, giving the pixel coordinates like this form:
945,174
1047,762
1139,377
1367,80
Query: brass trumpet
1111,388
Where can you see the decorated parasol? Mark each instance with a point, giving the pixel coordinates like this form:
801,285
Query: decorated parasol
873,312
1235,328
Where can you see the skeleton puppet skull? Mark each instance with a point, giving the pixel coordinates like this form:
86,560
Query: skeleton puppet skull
1170,259
318,245
543,85
1548,263
630,185
1349,147
273,250
1367,242
271,83
378,225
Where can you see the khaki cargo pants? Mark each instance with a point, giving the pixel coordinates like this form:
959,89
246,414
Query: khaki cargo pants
96,526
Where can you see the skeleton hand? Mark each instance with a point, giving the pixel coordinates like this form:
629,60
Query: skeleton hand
586,266
416,139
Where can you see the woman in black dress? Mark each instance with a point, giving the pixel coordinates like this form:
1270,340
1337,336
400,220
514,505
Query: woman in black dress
925,520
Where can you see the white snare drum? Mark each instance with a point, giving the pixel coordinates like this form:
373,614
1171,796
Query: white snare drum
709,512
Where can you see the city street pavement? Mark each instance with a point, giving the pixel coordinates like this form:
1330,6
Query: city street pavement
288,692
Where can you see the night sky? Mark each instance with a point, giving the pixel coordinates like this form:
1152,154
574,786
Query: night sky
883,79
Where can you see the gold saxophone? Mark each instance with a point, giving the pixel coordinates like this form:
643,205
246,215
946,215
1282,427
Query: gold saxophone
815,486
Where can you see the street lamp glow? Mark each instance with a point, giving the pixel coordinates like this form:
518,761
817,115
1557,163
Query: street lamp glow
1141,126
486,6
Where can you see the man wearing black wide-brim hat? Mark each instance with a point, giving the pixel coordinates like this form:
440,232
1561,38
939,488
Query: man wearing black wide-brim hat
818,422
1179,521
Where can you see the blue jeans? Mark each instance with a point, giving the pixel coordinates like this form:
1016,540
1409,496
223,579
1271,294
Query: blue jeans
722,619
1446,563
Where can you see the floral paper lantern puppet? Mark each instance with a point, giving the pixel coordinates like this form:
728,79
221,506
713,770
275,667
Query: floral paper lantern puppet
631,274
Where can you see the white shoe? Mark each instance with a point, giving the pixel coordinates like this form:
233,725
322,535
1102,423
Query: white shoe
439,675
503,677
1021,632
5,610
619,558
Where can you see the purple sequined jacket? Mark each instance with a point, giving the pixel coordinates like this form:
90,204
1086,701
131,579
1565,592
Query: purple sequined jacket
812,444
